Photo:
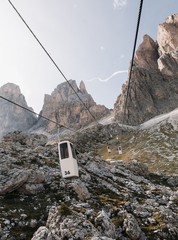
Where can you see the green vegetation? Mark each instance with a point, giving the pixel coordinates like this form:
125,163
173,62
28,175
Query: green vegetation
64,210
118,221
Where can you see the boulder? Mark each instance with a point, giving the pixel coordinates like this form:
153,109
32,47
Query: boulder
105,225
132,228
81,190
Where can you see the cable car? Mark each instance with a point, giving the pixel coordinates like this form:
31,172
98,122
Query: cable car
120,150
109,150
68,160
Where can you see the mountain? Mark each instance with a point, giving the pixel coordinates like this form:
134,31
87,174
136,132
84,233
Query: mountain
154,82
11,116
63,106
129,196
110,200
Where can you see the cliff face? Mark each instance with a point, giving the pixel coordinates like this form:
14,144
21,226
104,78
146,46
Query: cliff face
63,106
154,82
12,117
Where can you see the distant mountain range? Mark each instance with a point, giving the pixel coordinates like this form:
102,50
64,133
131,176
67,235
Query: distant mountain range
62,106
154,91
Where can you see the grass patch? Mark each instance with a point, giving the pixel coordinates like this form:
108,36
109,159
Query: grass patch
157,149
64,210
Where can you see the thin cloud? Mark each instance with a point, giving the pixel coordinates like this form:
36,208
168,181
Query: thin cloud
107,79
119,3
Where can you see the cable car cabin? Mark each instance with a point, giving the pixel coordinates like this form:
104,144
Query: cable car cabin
109,150
120,150
68,161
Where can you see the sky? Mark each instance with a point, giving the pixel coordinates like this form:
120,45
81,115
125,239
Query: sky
90,40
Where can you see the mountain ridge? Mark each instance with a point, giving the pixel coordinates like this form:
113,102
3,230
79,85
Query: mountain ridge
62,106
154,82
153,91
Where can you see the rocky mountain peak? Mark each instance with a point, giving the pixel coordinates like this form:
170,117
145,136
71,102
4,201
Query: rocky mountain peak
167,39
82,87
11,116
64,106
167,36
63,91
10,89
147,55
154,82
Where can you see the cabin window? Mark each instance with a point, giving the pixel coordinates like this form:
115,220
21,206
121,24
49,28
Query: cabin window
73,151
64,151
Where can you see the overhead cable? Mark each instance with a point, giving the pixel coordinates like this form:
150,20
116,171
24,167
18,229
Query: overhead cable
55,64
39,115
133,54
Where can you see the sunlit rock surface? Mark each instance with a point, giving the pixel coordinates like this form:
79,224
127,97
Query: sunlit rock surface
154,81
63,106
167,36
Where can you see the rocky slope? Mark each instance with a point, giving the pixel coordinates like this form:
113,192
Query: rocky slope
109,200
154,82
154,142
63,106
12,117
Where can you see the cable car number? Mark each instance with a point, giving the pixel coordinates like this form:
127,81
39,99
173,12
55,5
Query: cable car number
66,172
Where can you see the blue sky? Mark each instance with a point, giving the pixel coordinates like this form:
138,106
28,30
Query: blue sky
90,40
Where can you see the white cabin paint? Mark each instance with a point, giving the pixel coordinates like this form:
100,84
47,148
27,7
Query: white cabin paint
67,158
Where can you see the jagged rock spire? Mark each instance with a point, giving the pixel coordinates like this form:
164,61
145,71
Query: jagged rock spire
82,87
64,106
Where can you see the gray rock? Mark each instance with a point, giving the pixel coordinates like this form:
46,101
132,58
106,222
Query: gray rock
15,179
132,228
42,234
105,225
80,188
71,226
